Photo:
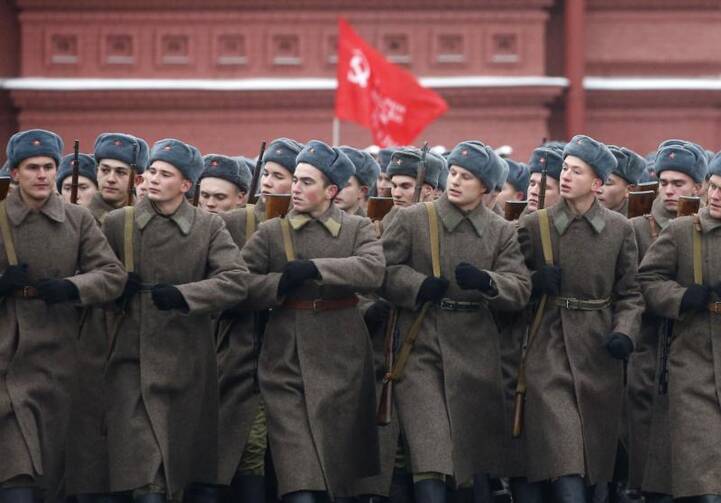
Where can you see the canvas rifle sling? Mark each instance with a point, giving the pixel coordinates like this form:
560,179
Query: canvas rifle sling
410,339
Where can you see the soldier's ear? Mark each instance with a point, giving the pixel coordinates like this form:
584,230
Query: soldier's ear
331,191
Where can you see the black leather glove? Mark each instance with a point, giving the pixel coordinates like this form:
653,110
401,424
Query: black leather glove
14,277
619,345
376,314
469,277
696,298
132,286
294,274
547,280
54,291
167,297
432,290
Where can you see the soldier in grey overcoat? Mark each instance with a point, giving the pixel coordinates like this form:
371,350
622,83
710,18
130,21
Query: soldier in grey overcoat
54,260
162,376
316,363
450,396
574,365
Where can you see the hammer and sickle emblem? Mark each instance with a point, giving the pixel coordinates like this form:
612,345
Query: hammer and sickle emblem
359,71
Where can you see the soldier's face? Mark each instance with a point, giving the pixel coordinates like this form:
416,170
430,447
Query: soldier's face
311,192
578,179
553,194
509,193
218,195
166,183
35,177
86,190
464,189
403,190
384,185
613,192
714,196
674,184
351,196
275,179
141,187
113,179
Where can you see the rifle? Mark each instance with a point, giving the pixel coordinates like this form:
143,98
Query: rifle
252,191
687,206
385,407
521,384
131,178
196,194
640,203
641,187
513,210
378,207
4,187
76,173
276,205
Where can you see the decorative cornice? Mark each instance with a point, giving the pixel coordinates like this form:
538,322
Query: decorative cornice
646,5
271,5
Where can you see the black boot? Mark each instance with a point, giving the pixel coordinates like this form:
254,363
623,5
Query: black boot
461,495
299,497
482,489
401,488
201,493
706,498
569,489
248,489
657,498
430,491
17,495
369,498
151,498
524,491
105,498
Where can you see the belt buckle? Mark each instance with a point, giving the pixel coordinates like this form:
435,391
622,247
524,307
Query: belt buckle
446,305
568,303
27,292
316,305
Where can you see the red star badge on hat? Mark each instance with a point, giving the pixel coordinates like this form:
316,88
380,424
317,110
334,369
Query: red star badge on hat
36,142
672,155
214,163
464,152
118,143
167,147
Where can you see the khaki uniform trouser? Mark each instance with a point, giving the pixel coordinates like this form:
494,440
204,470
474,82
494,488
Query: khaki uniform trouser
252,462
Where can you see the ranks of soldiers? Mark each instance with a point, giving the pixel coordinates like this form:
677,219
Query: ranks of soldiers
326,324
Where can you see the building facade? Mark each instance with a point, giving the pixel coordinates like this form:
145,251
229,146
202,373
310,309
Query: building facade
227,74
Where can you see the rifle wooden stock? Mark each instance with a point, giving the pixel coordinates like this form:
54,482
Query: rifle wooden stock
688,205
378,207
642,187
196,194
640,203
276,205
131,176
75,174
253,189
384,192
513,209
519,404
385,406
4,187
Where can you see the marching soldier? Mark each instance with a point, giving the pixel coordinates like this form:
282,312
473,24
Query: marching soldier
247,165
575,367
551,161
353,198
681,170
492,197
54,258
316,364
162,373
680,275
224,183
458,260
614,193
119,157
516,184
383,183
87,180
442,178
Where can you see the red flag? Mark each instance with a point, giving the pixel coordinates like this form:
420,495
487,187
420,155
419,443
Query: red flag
380,95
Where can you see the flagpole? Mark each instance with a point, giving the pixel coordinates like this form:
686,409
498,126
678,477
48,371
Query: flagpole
336,131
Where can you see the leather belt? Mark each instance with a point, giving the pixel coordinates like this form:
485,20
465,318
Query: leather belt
459,306
581,304
714,307
26,292
318,305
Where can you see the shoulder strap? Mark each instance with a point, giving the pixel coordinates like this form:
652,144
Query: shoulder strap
128,251
249,221
697,251
287,242
7,235
544,223
435,239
